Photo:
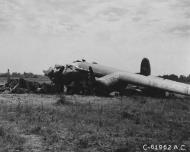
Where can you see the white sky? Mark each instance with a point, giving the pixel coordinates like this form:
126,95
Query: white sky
36,34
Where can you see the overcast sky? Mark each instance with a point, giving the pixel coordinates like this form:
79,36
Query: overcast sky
36,34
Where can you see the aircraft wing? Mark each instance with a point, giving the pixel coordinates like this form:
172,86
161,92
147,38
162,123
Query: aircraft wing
148,81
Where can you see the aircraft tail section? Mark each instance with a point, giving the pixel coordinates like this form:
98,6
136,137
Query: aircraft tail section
145,68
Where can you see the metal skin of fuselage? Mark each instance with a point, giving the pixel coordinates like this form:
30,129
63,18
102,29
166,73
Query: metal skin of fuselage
110,78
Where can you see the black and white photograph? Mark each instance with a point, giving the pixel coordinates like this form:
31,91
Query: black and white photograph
94,75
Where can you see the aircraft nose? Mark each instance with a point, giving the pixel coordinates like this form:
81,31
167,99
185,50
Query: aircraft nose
46,72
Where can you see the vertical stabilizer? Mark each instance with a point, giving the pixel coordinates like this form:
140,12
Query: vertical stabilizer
145,67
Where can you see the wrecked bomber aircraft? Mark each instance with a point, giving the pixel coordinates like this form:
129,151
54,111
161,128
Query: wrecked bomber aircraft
82,77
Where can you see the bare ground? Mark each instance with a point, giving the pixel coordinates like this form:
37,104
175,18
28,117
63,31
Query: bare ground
34,123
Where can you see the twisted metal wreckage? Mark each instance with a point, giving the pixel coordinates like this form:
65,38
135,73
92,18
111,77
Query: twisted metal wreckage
21,85
82,77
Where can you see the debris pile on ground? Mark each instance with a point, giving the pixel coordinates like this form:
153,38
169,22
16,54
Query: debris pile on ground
25,86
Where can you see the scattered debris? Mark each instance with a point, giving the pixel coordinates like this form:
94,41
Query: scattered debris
24,86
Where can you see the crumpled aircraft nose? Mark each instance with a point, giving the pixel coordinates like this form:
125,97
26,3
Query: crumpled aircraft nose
46,72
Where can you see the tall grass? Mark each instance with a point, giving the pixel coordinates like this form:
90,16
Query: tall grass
121,125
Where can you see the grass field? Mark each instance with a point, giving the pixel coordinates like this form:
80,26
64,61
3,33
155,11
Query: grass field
32,122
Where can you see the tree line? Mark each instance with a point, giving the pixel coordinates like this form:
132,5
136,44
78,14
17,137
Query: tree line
181,78
20,75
